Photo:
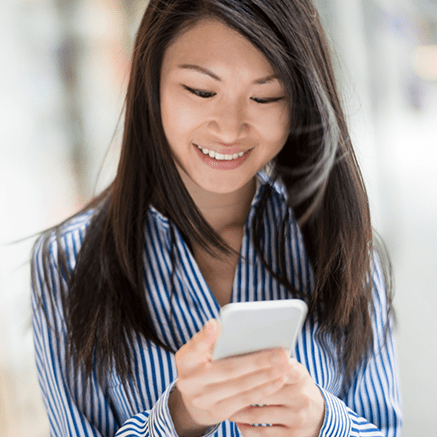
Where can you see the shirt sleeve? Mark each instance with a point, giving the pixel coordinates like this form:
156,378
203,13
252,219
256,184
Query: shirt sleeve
73,409
159,418
372,404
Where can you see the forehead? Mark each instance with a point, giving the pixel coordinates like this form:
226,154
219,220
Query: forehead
210,43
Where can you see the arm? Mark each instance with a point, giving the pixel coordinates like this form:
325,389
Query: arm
372,405
165,421
71,409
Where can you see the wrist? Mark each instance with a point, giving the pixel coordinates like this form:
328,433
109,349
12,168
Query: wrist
183,423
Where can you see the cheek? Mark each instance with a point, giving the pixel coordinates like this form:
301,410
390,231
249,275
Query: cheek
171,116
276,128
178,117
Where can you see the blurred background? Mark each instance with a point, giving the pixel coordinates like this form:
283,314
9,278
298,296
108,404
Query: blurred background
64,67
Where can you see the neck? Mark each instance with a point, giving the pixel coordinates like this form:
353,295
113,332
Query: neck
223,212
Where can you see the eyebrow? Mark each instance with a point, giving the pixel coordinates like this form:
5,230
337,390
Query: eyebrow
199,69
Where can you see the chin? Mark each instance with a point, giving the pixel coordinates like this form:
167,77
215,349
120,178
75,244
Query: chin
221,185
218,189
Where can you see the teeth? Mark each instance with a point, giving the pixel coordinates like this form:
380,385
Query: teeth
219,156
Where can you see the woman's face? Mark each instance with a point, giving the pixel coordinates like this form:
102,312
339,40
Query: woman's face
219,97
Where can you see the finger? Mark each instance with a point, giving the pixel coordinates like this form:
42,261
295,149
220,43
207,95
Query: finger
198,350
204,340
248,383
227,378
248,397
260,431
271,414
235,367
296,373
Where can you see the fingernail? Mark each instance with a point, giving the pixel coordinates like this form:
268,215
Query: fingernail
210,326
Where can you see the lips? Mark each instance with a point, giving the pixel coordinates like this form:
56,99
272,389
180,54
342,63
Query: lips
222,161
223,154
218,156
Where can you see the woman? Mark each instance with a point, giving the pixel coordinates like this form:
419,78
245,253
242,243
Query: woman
237,182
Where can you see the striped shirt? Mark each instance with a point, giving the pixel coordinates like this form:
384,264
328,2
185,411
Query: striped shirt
370,406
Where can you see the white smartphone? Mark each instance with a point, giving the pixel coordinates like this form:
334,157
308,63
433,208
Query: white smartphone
253,326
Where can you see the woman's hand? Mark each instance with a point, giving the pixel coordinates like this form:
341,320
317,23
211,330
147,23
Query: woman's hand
209,392
297,409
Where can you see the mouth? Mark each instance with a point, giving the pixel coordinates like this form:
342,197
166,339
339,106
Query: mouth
221,157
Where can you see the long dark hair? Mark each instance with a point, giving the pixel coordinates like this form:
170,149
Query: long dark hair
105,303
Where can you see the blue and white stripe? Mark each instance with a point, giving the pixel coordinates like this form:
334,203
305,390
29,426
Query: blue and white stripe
371,405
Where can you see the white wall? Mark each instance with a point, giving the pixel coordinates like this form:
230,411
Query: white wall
393,118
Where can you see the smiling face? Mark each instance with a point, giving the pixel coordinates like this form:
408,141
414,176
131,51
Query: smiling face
224,113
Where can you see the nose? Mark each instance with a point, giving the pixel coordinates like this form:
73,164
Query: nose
229,121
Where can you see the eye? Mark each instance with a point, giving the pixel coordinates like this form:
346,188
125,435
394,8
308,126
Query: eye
198,93
265,101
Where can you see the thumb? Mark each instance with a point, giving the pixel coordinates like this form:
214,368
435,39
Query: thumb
205,339
211,331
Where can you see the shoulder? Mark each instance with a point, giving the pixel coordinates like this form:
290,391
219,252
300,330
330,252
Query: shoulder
66,238
53,259
381,309
382,278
